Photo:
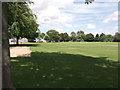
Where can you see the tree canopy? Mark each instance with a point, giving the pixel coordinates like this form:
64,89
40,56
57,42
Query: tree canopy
21,21
54,35
80,36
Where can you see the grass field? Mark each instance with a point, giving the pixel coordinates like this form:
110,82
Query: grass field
67,65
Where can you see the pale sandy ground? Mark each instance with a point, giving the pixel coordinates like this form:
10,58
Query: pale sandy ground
20,51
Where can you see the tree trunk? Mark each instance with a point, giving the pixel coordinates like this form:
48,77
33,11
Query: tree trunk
0,45
17,42
6,75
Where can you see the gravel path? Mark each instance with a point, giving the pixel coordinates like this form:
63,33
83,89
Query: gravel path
20,51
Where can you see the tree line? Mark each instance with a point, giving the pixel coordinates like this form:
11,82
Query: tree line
79,36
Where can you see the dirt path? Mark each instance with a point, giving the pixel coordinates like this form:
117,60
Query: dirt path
20,51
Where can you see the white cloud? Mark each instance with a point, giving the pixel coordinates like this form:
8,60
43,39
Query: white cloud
67,15
108,30
91,26
48,11
68,25
112,17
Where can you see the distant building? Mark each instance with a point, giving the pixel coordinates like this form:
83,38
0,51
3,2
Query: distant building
23,40
14,40
40,41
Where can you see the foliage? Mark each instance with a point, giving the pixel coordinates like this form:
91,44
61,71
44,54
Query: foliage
64,37
54,35
21,21
47,38
40,35
89,37
109,38
97,37
73,36
102,37
117,37
79,36
43,34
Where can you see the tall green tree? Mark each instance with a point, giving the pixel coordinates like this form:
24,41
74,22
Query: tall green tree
117,37
21,21
80,33
102,37
40,35
43,34
109,38
80,36
97,37
54,35
73,36
64,37
47,38
89,37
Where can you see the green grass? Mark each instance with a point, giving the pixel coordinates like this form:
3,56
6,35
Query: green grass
67,65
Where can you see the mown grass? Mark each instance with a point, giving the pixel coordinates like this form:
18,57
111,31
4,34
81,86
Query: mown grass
67,65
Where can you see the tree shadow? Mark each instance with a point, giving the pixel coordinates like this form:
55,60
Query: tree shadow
30,45
61,70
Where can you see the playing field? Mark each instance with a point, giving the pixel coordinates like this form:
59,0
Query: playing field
67,65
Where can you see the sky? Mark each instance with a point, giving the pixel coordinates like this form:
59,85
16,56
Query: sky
74,15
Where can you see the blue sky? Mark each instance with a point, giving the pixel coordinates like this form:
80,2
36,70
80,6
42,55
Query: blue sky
74,15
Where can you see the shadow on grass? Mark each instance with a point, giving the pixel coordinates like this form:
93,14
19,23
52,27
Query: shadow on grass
61,70
31,45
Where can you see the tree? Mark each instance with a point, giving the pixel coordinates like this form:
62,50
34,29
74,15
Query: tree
64,37
33,37
21,21
54,35
7,20
80,36
89,37
73,36
117,37
102,37
47,38
79,39
43,34
109,38
97,37
79,33
6,75
40,35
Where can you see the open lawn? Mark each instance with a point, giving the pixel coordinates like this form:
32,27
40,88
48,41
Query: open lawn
67,65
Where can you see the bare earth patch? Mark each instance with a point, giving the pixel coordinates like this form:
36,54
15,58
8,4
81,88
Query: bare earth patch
20,51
